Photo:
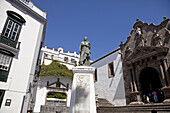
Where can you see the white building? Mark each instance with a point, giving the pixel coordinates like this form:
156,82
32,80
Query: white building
109,82
51,84
67,58
47,84
22,33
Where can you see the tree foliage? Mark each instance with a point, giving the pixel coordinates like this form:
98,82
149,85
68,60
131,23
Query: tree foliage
55,69
57,95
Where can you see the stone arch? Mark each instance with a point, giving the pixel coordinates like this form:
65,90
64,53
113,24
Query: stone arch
150,82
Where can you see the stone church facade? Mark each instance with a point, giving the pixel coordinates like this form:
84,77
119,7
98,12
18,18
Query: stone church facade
146,59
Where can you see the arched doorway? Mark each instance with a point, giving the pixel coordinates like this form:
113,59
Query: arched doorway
56,99
151,85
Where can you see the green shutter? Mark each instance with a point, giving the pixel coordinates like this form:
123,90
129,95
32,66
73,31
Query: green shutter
2,92
6,40
4,74
3,31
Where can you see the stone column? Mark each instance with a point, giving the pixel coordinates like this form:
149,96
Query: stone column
166,71
83,95
166,89
131,80
134,80
162,75
136,97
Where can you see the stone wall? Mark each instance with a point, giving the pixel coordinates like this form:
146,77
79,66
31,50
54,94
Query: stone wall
53,109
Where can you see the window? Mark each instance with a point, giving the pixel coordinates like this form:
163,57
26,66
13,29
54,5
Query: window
5,63
2,92
46,55
12,28
75,63
52,57
8,28
72,60
111,70
95,75
66,59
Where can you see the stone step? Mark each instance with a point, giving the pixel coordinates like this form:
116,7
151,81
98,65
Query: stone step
160,108
53,109
103,102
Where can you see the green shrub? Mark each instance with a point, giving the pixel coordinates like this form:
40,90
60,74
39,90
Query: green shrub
55,69
57,95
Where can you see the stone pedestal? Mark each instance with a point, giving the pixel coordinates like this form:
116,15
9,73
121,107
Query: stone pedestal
166,91
136,99
83,95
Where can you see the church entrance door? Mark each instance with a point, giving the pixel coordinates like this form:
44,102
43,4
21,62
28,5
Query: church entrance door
151,86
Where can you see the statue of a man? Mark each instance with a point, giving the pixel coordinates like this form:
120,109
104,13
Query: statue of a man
84,53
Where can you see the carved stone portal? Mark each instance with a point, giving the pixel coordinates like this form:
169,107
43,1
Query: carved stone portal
146,64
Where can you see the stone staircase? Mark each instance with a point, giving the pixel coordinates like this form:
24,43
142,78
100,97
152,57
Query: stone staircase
101,102
148,108
103,106
53,109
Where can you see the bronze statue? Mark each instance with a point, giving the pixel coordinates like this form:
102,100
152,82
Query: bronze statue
84,53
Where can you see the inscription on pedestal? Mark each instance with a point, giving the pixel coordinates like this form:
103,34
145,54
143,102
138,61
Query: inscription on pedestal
82,101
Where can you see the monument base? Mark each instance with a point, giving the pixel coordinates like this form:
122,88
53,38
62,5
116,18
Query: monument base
83,95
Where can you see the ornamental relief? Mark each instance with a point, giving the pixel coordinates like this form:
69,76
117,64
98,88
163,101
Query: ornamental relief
145,52
128,51
138,42
156,40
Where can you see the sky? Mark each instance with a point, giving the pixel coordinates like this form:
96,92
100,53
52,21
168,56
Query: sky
104,22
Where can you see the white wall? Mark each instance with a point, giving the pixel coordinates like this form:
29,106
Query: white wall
40,98
23,64
112,88
42,90
16,102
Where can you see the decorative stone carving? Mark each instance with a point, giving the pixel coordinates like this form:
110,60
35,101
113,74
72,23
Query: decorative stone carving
140,41
148,43
156,41
167,37
167,34
167,30
82,91
138,31
128,51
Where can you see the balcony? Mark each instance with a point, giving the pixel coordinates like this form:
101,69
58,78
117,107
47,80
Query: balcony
11,47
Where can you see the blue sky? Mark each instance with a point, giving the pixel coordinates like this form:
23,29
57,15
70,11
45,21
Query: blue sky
104,22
